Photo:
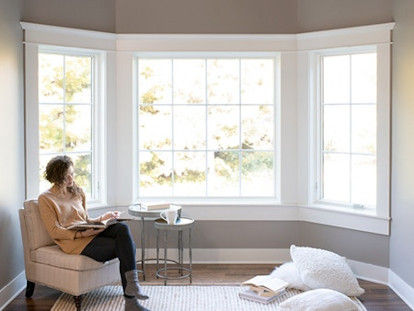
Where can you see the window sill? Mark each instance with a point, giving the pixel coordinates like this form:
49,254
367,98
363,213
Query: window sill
364,220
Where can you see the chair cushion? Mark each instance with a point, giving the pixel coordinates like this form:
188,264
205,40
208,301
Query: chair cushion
53,255
37,234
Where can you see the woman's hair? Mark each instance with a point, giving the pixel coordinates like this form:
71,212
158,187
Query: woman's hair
56,170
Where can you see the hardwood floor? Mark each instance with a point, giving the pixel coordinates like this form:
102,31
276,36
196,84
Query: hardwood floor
377,297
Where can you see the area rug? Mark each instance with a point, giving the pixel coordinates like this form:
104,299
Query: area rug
175,298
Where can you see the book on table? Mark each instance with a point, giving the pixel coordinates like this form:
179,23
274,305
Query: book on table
156,206
96,224
263,288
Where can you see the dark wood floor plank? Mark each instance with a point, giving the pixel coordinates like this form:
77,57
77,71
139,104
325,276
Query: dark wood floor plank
377,297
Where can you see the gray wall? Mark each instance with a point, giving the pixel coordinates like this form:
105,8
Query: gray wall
11,140
84,14
402,229
214,16
316,15
206,16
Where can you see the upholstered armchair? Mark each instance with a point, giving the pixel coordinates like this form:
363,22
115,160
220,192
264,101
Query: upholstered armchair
47,265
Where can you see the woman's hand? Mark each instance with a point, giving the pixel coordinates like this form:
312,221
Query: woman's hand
109,215
88,232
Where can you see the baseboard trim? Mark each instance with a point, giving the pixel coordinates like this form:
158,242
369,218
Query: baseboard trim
402,289
11,290
362,270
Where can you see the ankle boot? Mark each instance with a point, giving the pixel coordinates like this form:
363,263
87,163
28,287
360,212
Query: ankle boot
133,288
132,304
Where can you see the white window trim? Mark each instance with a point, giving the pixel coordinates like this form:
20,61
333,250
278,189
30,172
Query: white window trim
276,115
99,153
296,93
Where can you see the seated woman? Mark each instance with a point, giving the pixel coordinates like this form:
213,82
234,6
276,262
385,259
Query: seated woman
64,204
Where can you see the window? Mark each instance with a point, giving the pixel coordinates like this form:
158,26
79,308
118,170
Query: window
67,108
206,127
348,128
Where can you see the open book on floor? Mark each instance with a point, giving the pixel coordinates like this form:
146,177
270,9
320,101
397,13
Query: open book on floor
97,224
254,296
266,285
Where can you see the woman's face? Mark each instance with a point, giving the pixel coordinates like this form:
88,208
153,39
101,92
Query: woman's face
68,180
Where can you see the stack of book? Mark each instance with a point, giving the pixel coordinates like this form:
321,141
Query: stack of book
263,288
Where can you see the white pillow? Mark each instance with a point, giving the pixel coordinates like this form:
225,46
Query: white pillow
319,300
320,268
290,274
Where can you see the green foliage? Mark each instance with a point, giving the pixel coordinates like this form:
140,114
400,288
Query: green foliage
55,120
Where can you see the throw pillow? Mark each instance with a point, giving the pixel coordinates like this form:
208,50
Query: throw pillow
319,300
320,268
290,274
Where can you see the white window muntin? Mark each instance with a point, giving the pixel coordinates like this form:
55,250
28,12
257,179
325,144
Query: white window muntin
319,119
97,115
205,56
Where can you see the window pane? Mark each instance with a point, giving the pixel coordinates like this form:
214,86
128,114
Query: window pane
203,124
364,177
51,125
257,174
66,128
257,123
190,174
189,127
78,135
223,127
336,79
364,78
364,129
257,81
155,173
155,124
336,128
189,81
78,79
51,78
223,81
336,177
154,77
223,173
83,169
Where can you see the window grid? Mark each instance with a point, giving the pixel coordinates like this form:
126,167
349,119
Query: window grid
351,153
174,151
90,188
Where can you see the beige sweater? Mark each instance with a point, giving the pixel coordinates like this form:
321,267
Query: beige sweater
57,214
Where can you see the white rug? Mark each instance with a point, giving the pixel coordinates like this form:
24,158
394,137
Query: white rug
175,298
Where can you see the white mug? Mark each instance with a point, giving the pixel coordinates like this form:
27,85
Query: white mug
169,215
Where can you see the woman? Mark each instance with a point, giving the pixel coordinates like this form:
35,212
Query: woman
63,205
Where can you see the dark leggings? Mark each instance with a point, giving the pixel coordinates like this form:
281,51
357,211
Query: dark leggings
114,241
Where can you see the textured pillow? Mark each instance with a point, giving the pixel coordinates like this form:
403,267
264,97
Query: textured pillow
290,274
320,268
319,300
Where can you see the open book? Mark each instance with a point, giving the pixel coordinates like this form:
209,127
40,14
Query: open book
253,296
266,285
97,224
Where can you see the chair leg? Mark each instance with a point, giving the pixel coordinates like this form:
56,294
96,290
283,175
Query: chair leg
78,301
30,287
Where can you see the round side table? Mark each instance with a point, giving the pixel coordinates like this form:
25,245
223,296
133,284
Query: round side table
138,210
182,224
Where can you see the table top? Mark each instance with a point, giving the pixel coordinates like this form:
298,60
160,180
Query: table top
139,211
181,223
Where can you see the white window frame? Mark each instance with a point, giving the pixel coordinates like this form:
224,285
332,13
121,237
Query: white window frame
318,123
297,119
98,184
382,133
276,129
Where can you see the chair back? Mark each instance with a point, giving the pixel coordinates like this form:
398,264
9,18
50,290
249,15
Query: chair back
34,231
